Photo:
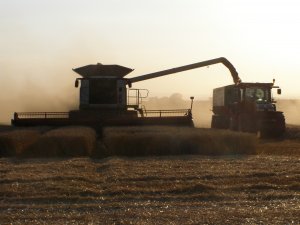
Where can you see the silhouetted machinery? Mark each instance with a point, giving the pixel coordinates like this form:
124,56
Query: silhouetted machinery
108,99
248,107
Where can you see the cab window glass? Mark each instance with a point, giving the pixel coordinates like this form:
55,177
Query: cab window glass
256,94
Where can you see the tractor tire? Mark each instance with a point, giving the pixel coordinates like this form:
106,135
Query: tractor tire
272,125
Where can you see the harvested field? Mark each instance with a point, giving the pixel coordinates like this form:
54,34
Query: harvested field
153,190
257,187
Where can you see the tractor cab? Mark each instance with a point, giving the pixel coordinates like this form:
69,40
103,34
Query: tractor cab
258,96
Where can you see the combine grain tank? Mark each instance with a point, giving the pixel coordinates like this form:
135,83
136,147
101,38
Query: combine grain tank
247,107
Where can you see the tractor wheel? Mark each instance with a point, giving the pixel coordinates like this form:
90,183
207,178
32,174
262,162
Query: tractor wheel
275,129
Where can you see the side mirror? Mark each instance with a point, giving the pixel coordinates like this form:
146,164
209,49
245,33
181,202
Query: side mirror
76,83
279,91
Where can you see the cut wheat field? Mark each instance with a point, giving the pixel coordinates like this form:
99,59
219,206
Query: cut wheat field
260,187
155,190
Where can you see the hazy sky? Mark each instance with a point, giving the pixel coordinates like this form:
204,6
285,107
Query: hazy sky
41,41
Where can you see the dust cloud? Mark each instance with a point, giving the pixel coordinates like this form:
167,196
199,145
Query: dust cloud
201,108
34,96
58,94
291,109
39,76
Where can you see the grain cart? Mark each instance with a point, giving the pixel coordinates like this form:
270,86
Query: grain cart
247,107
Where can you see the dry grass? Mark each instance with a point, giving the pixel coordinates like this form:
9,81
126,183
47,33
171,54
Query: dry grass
153,190
236,189
292,132
5,128
13,143
279,147
63,142
141,141
288,145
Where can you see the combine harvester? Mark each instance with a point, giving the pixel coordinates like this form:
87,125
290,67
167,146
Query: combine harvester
105,100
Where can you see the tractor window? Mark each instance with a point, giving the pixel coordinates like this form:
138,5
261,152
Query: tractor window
257,94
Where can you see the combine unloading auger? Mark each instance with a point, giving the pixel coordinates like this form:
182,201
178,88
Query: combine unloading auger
224,61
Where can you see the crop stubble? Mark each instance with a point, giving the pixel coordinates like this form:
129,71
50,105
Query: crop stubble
155,190
181,189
